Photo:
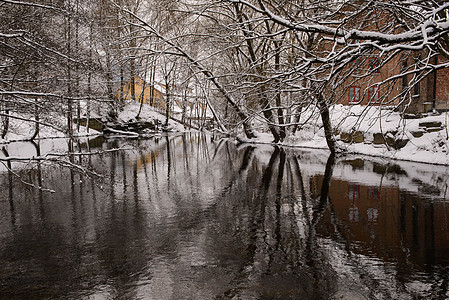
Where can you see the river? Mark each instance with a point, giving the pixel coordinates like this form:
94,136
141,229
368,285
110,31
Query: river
192,216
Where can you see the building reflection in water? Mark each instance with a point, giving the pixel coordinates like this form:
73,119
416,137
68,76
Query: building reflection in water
388,223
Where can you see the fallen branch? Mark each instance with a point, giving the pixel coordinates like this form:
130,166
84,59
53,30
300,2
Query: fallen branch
119,132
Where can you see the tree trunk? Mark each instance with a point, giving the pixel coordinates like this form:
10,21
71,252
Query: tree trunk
36,118
5,121
89,81
325,118
167,102
69,76
296,120
184,107
281,121
132,63
77,77
142,93
132,79
153,83
89,91
122,84
268,114
109,77
141,99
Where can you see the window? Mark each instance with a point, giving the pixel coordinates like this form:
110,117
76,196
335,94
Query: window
353,191
353,214
373,93
373,214
354,94
373,193
373,64
417,90
355,65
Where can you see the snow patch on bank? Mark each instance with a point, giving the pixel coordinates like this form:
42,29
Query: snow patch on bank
23,130
431,147
131,109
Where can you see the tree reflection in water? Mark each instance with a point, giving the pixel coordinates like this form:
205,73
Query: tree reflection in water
195,217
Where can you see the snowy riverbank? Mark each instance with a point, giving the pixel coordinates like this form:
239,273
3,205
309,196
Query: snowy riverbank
21,129
360,130
369,130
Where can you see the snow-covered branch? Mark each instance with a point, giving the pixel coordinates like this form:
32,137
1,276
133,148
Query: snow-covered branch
429,30
38,5
11,35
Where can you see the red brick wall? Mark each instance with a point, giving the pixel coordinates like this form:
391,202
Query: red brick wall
442,95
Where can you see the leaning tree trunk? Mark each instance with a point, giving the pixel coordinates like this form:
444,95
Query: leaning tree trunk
325,118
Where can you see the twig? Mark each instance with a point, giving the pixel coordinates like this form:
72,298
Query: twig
25,182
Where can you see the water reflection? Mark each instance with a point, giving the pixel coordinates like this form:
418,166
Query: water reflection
195,217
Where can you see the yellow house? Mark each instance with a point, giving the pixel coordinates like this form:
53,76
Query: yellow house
155,96
144,92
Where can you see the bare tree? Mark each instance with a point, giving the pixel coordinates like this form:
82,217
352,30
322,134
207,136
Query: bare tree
44,61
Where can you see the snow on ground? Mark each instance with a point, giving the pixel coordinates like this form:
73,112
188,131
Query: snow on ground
21,130
431,147
131,109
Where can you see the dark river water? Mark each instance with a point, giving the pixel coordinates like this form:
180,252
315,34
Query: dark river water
196,217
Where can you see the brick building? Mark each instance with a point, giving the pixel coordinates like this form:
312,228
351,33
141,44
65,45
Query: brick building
427,94
404,79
